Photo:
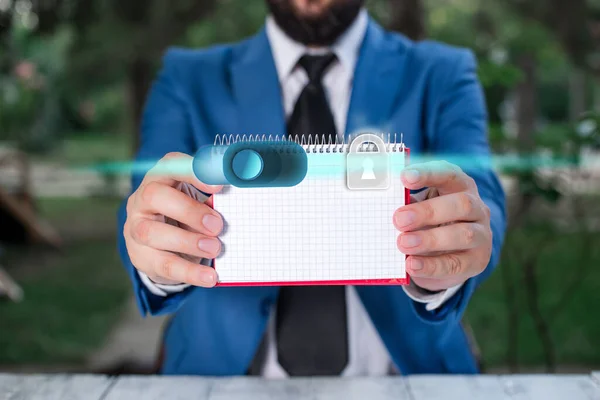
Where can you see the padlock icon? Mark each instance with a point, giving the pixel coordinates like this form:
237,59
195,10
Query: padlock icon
367,163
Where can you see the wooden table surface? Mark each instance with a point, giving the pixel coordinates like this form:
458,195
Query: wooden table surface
430,387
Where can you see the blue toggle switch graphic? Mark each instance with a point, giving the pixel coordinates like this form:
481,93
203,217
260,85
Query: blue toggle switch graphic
252,164
247,164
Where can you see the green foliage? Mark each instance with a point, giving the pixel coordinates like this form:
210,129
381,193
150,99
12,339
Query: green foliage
554,101
499,37
493,74
115,35
563,145
100,40
497,138
453,21
73,298
536,309
107,105
30,97
231,21
575,333
68,309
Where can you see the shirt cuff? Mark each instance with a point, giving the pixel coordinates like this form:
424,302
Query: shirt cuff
161,289
434,300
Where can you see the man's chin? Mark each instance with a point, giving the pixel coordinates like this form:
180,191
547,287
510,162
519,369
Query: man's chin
311,10
317,23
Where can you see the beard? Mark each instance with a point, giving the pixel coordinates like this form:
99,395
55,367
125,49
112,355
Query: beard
318,30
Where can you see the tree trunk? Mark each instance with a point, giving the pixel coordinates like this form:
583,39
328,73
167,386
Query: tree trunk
577,94
526,104
408,18
6,31
526,116
139,81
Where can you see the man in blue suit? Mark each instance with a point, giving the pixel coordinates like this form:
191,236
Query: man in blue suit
317,66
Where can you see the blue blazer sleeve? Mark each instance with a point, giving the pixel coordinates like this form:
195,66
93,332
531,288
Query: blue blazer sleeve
164,128
459,128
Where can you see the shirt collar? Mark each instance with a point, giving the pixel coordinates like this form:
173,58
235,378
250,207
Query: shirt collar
287,52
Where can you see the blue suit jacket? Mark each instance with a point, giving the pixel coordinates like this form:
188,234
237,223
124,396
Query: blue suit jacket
426,90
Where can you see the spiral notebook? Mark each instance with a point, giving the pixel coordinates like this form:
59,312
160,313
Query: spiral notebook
317,232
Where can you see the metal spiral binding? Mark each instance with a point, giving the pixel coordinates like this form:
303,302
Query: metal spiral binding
320,143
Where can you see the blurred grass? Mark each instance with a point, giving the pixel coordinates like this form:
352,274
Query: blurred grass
575,331
89,148
72,216
72,298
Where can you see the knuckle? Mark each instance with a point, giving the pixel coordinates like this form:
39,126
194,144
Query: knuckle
468,236
430,266
450,169
142,232
129,205
448,166
453,264
127,231
171,155
148,192
166,268
428,211
188,273
471,183
192,208
430,240
486,211
452,176
466,203
137,265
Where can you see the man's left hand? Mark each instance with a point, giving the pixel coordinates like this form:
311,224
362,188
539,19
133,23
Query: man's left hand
447,235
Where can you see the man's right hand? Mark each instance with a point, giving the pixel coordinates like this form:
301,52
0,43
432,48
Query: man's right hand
161,250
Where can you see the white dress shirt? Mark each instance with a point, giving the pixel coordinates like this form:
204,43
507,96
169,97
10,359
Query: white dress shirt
367,353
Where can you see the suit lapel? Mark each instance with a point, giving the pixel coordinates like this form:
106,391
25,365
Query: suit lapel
377,79
255,88
376,86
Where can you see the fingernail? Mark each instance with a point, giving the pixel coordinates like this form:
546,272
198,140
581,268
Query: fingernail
416,264
212,223
411,175
208,277
405,218
410,240
210,246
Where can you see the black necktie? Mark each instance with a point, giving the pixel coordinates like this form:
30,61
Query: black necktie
311,326
312,114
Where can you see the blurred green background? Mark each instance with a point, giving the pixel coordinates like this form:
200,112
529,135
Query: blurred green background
73,78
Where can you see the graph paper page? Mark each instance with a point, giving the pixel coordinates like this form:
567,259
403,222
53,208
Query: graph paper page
316,232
